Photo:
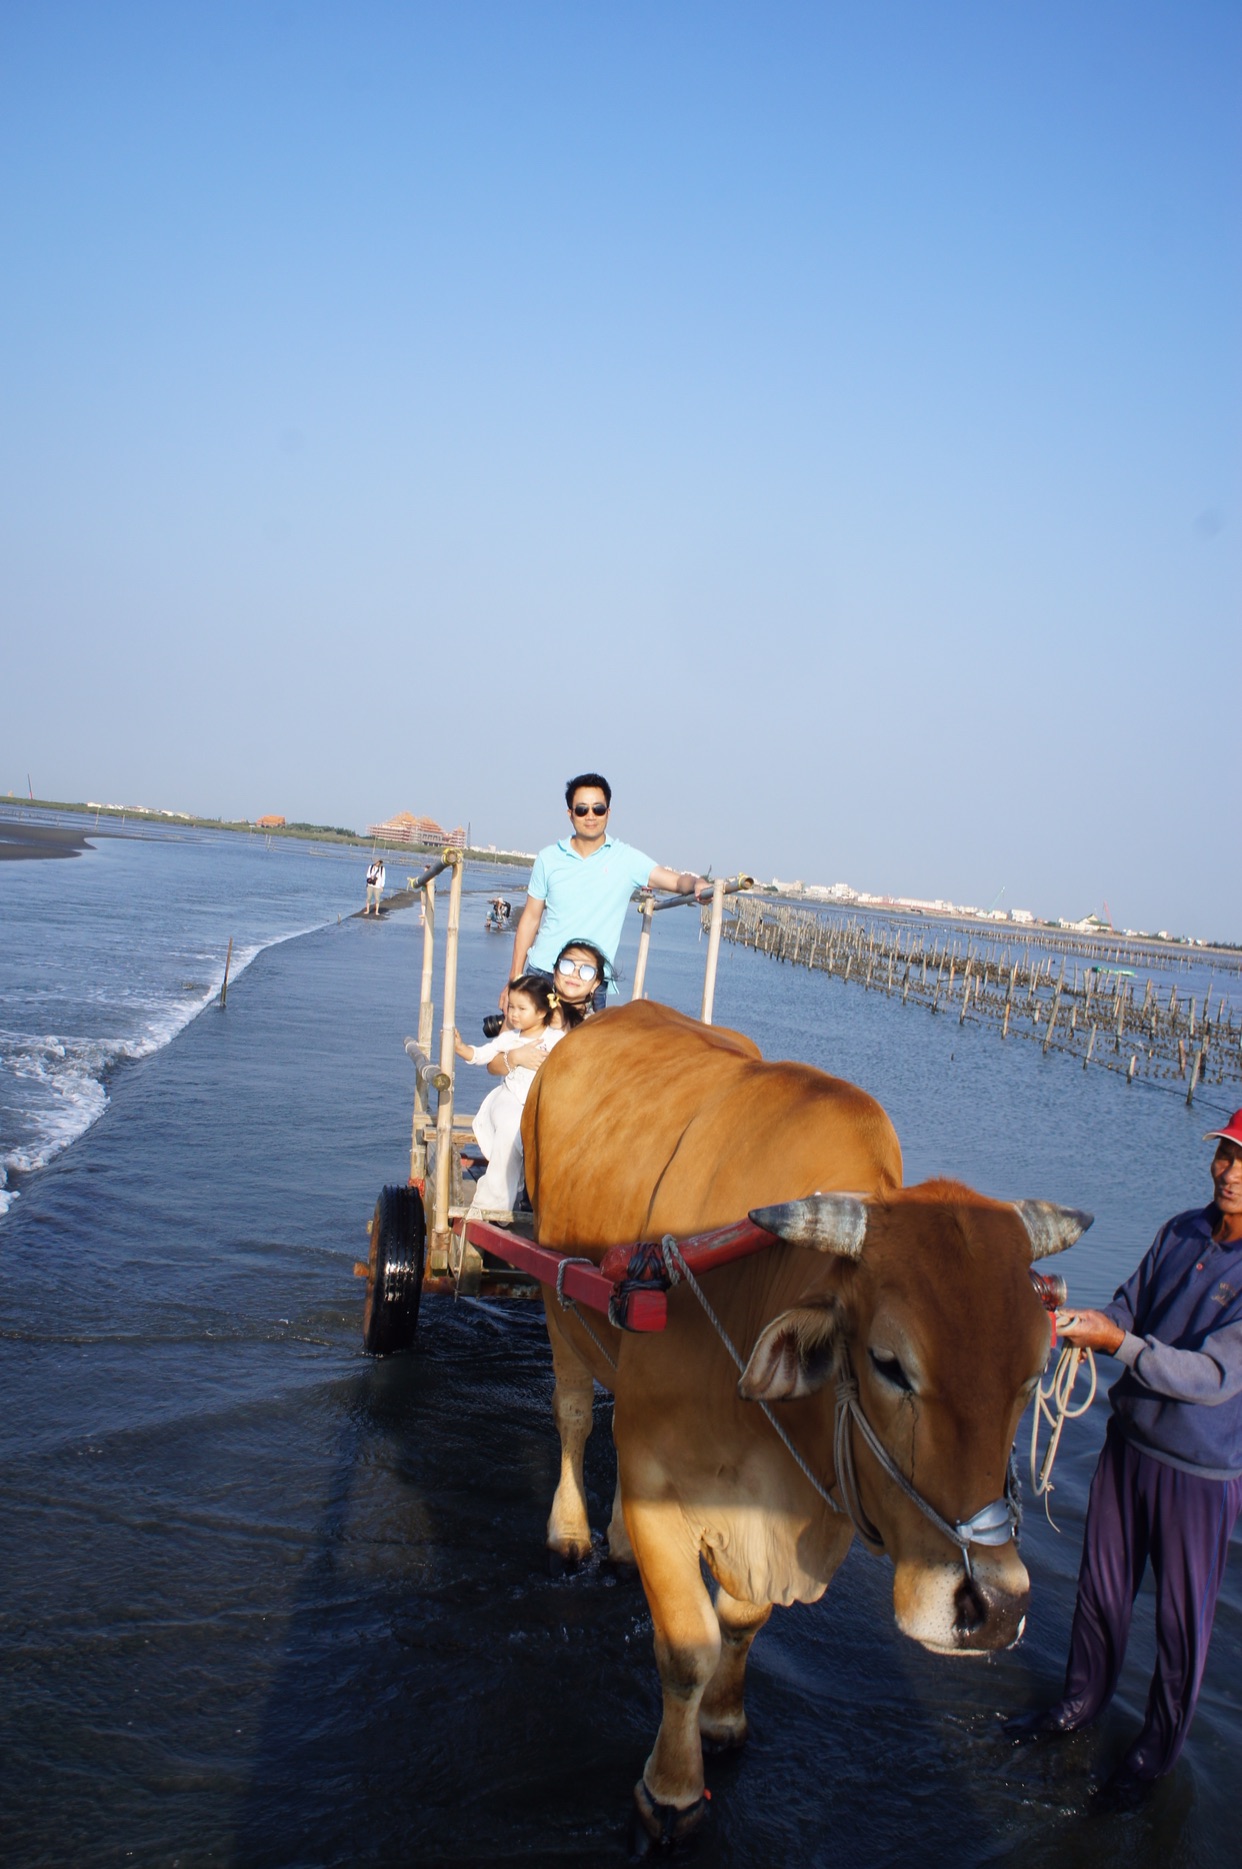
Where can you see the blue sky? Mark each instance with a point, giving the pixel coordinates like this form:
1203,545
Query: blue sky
824,420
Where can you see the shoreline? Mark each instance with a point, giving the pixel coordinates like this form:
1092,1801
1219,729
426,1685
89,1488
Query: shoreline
33,843
107,817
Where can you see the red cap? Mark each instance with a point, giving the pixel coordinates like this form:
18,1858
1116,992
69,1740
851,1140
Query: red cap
1232,1132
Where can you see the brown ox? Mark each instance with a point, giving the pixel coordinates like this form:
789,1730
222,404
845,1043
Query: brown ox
647,1123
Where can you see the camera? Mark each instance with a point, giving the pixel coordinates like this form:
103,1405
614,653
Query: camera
493,1024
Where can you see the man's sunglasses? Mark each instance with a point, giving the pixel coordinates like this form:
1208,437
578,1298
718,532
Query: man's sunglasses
585,969
594,811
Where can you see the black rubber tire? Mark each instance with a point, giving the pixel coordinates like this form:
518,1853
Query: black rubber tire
395,1279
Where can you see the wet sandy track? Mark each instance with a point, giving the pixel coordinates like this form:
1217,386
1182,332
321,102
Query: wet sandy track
265,1602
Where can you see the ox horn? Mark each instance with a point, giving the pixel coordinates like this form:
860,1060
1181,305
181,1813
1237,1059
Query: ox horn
1051,1228
828,1222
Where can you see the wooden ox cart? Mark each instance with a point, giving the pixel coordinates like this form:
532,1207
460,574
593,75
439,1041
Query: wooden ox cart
426,1237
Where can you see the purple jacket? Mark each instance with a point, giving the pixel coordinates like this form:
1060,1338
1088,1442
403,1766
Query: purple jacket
1180,1397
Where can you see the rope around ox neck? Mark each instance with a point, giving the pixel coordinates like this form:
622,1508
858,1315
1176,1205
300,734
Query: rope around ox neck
679,1271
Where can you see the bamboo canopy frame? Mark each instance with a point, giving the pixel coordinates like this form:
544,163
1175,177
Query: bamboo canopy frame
435,1141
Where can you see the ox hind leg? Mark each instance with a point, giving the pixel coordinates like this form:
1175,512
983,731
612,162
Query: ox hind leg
722,1714
573,1399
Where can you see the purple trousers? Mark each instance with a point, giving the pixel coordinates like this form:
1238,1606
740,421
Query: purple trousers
1139,1509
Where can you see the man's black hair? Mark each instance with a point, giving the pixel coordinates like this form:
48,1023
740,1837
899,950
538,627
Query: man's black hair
595,779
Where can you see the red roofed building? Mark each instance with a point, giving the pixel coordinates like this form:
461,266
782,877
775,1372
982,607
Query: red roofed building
405,828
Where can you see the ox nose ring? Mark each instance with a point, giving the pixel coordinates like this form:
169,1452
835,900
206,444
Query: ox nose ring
991,1525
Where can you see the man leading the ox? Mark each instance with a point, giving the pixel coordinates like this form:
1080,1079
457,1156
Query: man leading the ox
1168,1482
580,888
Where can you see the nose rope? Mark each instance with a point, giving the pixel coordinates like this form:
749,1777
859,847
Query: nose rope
993,1524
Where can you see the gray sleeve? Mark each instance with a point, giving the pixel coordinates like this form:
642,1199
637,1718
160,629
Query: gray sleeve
1210,1375
1122,1307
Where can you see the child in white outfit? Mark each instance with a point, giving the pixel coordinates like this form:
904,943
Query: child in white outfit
498,1125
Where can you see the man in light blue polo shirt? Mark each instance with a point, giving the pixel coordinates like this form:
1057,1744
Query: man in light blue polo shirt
580,888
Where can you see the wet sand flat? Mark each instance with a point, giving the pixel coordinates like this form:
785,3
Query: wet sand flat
31,842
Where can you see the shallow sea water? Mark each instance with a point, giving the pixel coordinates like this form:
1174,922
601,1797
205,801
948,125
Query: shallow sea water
267,1602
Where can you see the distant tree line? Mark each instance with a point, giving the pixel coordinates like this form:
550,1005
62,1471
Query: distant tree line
319,830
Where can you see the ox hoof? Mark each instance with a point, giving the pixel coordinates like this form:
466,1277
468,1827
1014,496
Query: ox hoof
662,1825
563,1563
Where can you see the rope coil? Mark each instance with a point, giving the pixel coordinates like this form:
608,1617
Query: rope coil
1052,1404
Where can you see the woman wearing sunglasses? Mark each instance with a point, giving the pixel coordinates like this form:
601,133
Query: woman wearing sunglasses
581,977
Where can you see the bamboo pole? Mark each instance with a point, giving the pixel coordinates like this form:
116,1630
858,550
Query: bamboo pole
426,992
1052,1019
646,909
1195,1069
444,1098
713,950
224,989
426,1020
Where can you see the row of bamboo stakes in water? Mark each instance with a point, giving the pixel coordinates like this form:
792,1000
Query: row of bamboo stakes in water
1062,1002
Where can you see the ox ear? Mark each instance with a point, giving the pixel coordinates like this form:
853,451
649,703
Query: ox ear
828,1222
1051,1228
793,1357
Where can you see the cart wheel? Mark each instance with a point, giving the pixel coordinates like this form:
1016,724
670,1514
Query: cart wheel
394,1272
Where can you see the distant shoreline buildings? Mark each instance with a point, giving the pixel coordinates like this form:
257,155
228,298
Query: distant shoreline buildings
842,895
408,828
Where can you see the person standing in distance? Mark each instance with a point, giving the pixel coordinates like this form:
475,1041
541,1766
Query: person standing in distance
1169,1481
375,884
581,887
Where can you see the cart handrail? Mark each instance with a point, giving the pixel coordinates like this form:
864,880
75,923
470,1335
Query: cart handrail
648,906
429,1075
733,885
433,870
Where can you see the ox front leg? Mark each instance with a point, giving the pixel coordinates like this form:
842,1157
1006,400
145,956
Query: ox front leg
722,1714
573,1399
670,1793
